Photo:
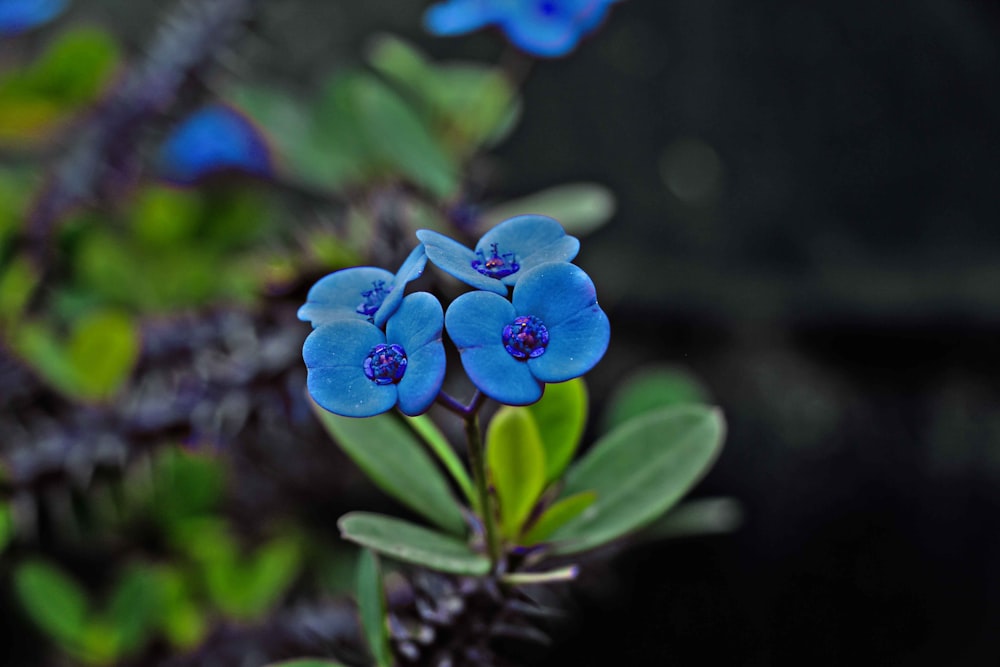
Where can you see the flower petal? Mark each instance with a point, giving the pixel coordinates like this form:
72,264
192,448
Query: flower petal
541,35
411,269
213,139
575,346
334,355
459,16
423,378
17,16
455,259
554,293
418,322
592,14
535,239
338,295
475,323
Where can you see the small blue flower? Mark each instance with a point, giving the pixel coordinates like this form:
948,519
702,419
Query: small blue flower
213,139
504,253
548,28
17,16
551,331
356,370
362,292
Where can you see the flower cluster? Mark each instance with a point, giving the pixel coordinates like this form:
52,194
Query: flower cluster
373,348
547,28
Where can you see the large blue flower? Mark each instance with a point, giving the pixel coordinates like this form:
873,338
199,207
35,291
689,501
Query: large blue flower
213,139
547,28
17,16
362,292
356,370
552,331
504,253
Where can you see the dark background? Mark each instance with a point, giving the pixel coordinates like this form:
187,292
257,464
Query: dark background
832,276
805,193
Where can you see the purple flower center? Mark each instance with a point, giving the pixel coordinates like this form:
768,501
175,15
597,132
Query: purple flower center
498,265
386,364
373,298
525,338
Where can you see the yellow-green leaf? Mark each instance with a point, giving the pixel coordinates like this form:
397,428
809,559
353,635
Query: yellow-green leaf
516,463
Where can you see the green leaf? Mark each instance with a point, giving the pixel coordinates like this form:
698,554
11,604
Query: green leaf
480,104
135,607
317,149
6,526
653,389
53,601
704,516
561,416
469,104
413,544
394,460
435,439
248,587
515,460
401,137
185,484
372,608
102,349
560,513
400,61
580,207
17,284
166,217
72,73
183,620
639,471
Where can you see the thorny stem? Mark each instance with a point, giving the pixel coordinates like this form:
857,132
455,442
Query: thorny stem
477,461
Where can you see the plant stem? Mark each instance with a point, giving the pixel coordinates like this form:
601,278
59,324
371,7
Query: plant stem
477,460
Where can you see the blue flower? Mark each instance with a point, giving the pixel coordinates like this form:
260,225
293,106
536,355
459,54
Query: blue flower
17,16
551,331
547,28
213,139
504,253
362,292
356,370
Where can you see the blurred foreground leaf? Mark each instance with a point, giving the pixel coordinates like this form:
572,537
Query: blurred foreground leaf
639,471
412,543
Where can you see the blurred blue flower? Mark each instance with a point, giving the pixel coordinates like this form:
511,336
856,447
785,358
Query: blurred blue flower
213,139
356,370
17,16
551,331
504,253
362,292
548,28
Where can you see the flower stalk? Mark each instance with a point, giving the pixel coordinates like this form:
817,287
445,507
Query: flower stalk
477,461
